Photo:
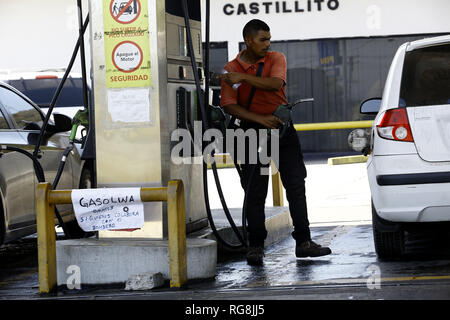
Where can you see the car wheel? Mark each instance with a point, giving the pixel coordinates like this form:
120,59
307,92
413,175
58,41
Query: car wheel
2,225
389,238
73,228
86,178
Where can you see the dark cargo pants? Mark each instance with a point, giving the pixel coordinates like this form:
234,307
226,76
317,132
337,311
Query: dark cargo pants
293,173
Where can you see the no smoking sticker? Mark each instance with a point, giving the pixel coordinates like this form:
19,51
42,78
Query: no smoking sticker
127,56
127,47
125,11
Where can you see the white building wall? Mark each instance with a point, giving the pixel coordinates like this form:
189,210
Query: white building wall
316,19
39,34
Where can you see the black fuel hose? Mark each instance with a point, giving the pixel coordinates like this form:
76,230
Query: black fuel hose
78,47
37,166
206,126
62,163
39,172
59,89
81,30
241,238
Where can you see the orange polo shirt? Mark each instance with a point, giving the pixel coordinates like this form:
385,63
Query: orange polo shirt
264,102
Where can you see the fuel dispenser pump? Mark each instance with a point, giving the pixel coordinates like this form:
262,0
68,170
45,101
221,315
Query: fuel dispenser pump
144,89
184,99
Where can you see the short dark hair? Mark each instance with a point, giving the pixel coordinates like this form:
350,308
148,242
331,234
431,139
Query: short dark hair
253,26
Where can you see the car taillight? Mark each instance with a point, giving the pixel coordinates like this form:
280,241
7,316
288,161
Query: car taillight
47,77
395,126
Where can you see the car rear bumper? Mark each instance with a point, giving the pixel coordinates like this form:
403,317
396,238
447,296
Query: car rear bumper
412,178
405,188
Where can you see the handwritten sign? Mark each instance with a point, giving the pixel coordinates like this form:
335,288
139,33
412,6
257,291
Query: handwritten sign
108,209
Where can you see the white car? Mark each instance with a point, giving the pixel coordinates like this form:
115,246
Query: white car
409,164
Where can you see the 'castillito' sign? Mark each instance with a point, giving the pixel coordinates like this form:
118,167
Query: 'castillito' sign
280,7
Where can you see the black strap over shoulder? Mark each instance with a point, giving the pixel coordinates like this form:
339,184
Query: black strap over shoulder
233,123
236,123
252,92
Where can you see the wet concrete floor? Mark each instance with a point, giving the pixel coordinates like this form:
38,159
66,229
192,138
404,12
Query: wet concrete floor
339,213
352,271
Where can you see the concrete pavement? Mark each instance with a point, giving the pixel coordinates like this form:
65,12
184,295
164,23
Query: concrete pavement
340,216
336,194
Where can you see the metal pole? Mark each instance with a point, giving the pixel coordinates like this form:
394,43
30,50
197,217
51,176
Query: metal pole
277,187
82,53
45,223
177,233
206,57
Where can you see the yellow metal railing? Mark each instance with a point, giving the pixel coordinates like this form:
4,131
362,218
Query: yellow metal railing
333,125
46,199
224,160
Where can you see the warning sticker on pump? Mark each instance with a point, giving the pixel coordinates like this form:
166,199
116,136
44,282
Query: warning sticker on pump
125,11
108,208
127,56
127,46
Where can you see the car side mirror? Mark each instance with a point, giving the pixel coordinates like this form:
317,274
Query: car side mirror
370,106
63,123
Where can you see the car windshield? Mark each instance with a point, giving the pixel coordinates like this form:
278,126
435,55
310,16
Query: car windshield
426,77
41,91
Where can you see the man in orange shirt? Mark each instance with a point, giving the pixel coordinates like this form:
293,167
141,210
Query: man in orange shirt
269,94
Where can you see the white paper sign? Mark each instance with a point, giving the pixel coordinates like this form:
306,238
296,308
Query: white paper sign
108,209
129,105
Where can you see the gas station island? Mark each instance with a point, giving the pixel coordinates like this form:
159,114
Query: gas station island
144,88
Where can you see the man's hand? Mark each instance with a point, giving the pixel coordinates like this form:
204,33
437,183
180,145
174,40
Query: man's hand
232,77
270,121
267,120
262,83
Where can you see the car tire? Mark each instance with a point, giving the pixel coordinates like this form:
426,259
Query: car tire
2,225
389,238
86,178
85,183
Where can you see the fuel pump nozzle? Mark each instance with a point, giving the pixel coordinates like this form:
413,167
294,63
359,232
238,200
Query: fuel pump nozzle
284,113
80,118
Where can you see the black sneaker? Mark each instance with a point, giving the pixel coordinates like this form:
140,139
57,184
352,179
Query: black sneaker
311,249
255,256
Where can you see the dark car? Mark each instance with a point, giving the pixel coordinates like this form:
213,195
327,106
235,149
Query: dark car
40,87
